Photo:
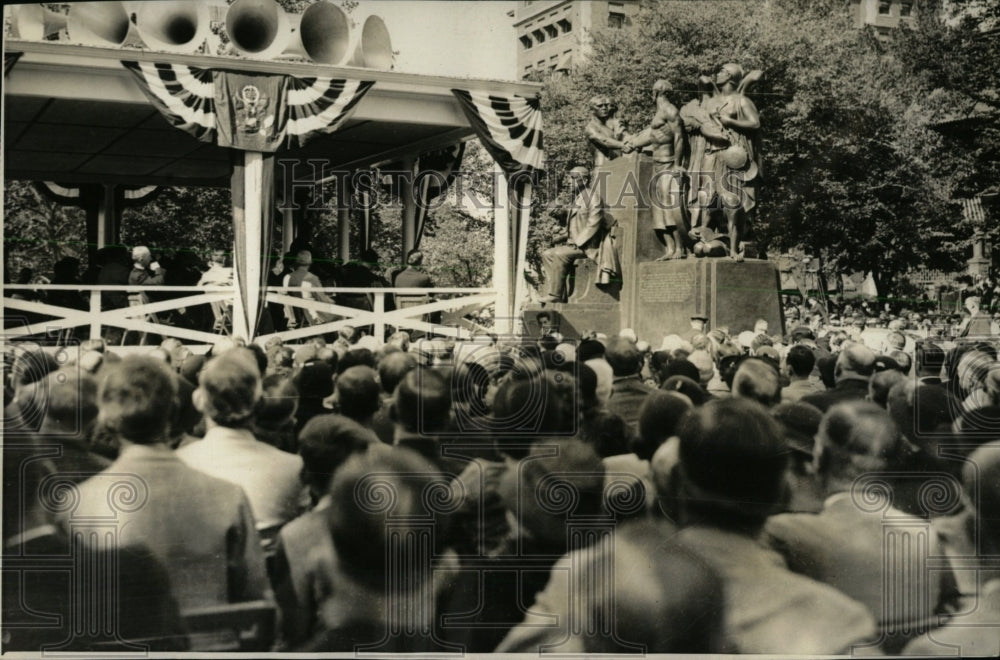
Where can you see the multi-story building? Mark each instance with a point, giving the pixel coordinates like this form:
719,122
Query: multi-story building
553,33
884,15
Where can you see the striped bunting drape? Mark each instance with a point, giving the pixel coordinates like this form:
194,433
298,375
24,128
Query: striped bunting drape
188,98
510,127
184,95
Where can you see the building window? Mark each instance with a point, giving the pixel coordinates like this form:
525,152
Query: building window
565,26
906,9
540,64
553,32
884,8
538,35
616,20
525,41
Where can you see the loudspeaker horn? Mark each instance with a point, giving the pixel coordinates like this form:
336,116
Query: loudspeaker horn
322,33
35,22
99,23
258,28
176,27
372,47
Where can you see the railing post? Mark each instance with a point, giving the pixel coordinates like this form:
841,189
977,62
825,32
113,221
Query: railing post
379,310
95,314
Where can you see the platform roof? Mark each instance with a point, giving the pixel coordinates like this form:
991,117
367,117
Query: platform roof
73,114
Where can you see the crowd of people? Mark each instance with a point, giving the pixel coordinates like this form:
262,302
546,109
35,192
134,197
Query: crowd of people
820,492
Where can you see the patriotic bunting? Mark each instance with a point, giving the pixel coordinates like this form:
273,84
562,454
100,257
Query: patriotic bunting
249,111
510,127
436,172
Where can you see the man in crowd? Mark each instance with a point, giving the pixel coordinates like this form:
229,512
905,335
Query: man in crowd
199,527
229,390
799,363
854,366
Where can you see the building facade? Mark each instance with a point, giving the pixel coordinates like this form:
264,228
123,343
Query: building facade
883,15
552,34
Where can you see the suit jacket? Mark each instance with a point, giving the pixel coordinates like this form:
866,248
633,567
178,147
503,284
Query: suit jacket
770,609
199,528
304,573
269,476
846,547
847,389
627,396
411,278
307,280
589,224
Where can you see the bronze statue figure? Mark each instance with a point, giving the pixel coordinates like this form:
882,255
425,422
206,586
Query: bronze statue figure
605,131
724,166
666,136
588,235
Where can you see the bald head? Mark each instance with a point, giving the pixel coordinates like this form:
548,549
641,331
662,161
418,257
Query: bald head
856,361
854,438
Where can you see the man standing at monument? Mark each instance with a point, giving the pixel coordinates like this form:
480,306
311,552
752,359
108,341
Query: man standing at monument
666,135
588,225
605,131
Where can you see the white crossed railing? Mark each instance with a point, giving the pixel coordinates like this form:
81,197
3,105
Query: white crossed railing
136,317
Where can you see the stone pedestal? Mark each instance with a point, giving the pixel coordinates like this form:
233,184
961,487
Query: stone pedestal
657,298
668,293
573,320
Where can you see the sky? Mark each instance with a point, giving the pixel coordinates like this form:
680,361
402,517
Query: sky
464,38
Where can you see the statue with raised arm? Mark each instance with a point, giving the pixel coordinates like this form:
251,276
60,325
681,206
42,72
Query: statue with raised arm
725,163
605,131
665,135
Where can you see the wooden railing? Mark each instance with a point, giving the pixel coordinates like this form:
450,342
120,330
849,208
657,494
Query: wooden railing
140,317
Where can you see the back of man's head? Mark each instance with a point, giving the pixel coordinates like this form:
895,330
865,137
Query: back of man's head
422,403
303,259
881,384
800,360
659,597
658,419
623,356
981,480
758,381
392,367
856,361
137,400
556,467
357,392
229,388
325,443
855,437
367,545
732,462
71,402
903,359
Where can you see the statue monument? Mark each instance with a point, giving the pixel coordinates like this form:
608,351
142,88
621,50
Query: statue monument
684,186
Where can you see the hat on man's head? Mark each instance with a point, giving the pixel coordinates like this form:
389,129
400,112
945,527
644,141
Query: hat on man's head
800,422
803,332
699,317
